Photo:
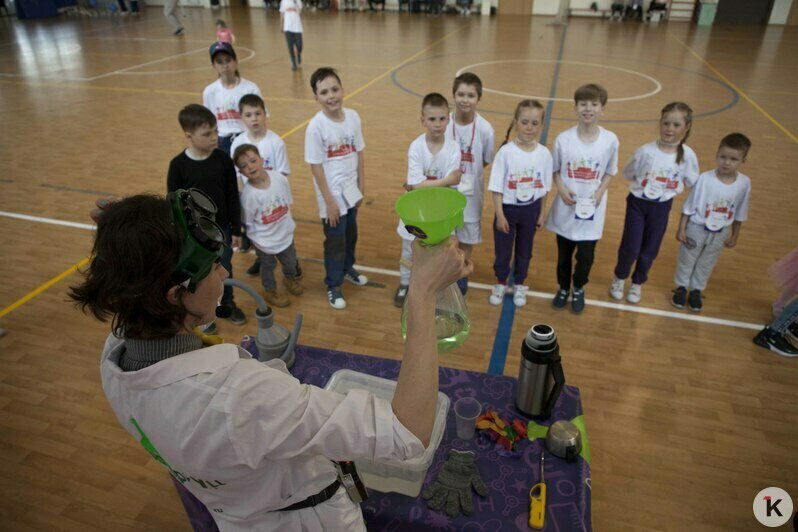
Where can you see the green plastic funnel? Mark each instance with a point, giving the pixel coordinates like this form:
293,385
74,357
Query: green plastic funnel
431,214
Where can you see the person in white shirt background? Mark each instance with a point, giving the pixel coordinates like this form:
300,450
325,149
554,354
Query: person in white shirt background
248,440
334,150
222,96
585,159
711,219
433,160
519,181
266,211
476,138
291,22
657,171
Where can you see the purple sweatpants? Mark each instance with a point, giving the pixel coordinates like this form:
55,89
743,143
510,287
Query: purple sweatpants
643,229
522,220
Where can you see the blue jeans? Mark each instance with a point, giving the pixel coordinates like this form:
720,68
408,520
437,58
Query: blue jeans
339,248
786,318
227,262
226,142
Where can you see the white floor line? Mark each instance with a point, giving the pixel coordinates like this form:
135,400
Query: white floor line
148,63
480,286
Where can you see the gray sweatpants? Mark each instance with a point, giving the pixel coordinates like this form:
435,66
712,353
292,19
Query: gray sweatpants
170,12
695,265
268,262
407,257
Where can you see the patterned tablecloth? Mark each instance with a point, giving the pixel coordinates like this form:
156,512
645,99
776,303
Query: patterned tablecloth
509,478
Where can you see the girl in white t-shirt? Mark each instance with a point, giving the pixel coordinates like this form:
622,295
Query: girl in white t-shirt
658,171
291,23
222,96
519,181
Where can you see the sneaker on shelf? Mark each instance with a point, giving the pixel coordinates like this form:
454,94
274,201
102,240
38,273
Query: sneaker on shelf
679,297
792,331
293,286
210,328
355,277
578,300
497,294
560,299
462,284
336,298
616,289
299,273
635,293
776,342
254,270
276,299
400,295
178,32
236,316
694,302
519,295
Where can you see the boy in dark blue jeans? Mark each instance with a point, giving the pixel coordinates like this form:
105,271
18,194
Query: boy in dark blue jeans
210,170
334,149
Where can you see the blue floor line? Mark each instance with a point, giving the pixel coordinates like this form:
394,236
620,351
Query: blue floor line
501,342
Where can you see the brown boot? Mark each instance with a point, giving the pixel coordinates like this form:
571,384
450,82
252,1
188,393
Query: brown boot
276,299
293,286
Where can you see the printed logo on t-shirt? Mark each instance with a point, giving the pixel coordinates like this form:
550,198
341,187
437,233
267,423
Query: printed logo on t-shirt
231,113
344,146
587,169
526,175
433,172
668,177
267,163
721,207
276,210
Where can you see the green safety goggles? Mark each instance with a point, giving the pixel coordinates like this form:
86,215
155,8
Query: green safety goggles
202,243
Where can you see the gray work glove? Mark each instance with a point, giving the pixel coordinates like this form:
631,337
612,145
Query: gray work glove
453,485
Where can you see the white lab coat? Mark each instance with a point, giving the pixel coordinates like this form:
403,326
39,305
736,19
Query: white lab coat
246,438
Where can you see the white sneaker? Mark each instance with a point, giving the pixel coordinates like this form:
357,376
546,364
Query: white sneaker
634,293
497,295
519,295
616,289
336,298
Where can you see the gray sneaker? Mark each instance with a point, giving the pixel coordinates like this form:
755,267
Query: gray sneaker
400,296
560,299
578,300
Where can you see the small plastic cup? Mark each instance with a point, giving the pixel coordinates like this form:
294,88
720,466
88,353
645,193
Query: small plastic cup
466,412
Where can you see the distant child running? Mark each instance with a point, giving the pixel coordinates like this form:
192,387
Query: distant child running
519,180
223,33
658,171
291,22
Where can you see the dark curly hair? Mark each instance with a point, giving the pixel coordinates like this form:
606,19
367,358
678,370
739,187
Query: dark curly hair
135,251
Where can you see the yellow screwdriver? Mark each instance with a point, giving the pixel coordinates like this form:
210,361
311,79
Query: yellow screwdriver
537,501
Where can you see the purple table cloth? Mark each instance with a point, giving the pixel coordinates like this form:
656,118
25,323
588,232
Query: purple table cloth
509,478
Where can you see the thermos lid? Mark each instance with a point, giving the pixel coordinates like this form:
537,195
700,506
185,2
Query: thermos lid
540,345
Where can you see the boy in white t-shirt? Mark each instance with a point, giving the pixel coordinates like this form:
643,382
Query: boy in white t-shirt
334,149
585,158
266,211
476,139
711,219
433,160
270,147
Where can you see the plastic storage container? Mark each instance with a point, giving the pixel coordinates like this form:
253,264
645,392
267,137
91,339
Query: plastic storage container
405,477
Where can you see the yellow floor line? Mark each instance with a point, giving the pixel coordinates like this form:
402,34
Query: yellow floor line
27,297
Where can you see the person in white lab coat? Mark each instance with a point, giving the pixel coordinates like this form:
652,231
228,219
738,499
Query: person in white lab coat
246,438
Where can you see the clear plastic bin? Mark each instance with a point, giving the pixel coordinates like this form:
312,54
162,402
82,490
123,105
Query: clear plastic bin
405,477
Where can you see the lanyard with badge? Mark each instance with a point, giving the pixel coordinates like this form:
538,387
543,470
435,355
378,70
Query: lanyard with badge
525,188
585,207
716,220
466,186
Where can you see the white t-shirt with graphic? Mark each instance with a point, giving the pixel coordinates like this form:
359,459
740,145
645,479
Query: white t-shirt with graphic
655,175
521,177
715,204
271,149
290,10
476,141
335,145
582,166
267,214
422,166
223,103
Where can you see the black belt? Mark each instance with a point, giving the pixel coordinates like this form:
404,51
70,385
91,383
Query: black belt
313,500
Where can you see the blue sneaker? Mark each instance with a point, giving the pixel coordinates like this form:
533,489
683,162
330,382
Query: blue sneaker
578,300
355,277
336,298
462,284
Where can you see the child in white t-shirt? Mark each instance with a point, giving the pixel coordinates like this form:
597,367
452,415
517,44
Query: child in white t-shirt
433,160
475,137
585,159
270,147
519,180
334,150
711,219
266,211
222,96
291,23
658,171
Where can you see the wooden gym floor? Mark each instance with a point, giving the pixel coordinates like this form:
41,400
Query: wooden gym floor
688,420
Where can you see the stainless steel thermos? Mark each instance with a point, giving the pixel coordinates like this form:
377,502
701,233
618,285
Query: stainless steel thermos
540,378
